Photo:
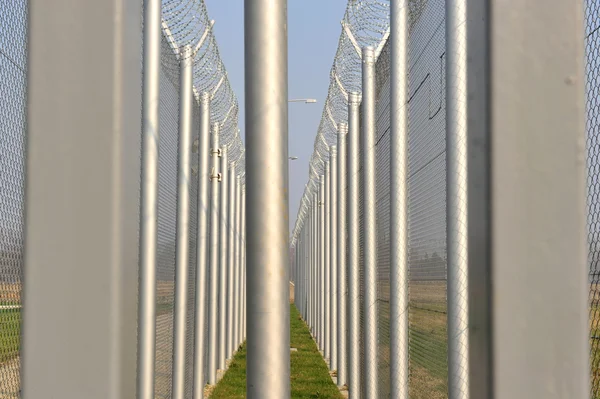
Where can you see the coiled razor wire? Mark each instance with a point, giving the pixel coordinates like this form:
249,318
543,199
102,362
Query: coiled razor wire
365,23
186,23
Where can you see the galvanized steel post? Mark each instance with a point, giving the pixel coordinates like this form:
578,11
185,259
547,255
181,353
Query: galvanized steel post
333,204
231,262
456,199
237,264
399,200
243,261
369,219
224,197
321,264
149,199
326,266
315,264
352,210
186,98
202,248
342,369
215,178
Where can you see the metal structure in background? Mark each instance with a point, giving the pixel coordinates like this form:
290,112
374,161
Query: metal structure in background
268,342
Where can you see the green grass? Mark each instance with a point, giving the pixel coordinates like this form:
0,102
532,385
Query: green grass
10,334
309,374
233,383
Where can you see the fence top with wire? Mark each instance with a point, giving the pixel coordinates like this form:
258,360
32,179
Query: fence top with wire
365,23
186,23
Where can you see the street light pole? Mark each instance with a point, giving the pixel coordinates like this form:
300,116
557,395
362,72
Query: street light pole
303,100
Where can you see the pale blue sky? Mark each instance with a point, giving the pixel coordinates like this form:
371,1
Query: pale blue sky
313,32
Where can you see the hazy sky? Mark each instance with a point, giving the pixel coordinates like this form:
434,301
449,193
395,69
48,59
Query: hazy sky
314,29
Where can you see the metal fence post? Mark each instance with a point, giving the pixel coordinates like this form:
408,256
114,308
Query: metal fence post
353,198
215,178
202,248
242,250
399,366
311,264
230,262
333,205
237,266
326,266
456,199
82,199
308,263
267,198
369,218
183,222
149,199
223,258
528,268
321,264
341,257
315,267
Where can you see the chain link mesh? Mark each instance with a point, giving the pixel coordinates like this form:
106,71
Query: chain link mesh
367,23
13,85
186,23
592,45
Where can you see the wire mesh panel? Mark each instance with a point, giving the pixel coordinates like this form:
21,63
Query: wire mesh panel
13,57
193,242
427,206
383,199
592,38
167,207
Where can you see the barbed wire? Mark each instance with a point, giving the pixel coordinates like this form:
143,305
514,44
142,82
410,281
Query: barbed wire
187,23
365,23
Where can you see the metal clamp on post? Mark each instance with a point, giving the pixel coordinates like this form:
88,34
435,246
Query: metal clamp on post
217,151
213,175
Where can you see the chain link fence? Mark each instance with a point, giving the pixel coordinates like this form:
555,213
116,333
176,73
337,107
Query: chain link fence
366,23
184,23
187,23
592,46
13,86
